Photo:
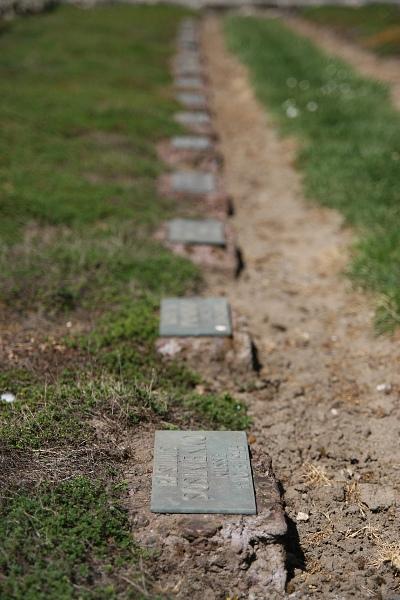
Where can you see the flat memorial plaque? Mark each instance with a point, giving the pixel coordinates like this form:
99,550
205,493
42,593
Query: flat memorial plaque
188,43
189,83
188,54
189,69
188,40
193,182
195,317
188,25
194,100
202,472
193,118
196,231
191,142
188,63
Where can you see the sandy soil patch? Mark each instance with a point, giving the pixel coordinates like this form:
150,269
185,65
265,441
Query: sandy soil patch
326,404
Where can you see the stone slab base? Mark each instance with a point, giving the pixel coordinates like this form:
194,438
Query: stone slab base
212,556
207,160
225,260
182,70
188,84
234,354
216,204
192,100
205,128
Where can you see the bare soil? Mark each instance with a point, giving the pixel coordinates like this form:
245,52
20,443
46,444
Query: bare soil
38,343
386,70
326,403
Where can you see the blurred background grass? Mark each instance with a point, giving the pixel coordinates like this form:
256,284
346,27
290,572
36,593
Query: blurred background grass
350,143
375,26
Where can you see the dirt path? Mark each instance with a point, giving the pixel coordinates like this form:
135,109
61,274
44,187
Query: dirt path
386,70
333,436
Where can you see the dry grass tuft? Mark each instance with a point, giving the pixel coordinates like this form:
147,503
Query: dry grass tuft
315,476
371,531
352,495
316,538
386,552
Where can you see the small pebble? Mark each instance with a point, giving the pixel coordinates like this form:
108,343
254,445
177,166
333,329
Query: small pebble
386,388
7,397
302,517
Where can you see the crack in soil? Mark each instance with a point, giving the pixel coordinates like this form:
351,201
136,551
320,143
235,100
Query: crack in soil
317,410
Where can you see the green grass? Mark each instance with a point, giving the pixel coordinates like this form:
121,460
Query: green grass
78,116
222,411
350,143
375,26
60,414
81,527
84,96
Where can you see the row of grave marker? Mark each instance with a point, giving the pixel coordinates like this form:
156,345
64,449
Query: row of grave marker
193,316
197,471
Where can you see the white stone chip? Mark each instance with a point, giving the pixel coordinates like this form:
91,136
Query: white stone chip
302,517
7,397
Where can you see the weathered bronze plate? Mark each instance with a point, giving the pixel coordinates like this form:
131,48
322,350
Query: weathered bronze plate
193,118
193,182
202,472
194,317
189,83
196,231
191,99
197,143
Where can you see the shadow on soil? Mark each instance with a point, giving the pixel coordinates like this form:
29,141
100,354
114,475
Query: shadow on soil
295,558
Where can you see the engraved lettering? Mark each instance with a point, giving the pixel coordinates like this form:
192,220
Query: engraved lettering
189,316
193,463
238,470
167,467
220,465
171,314
202,472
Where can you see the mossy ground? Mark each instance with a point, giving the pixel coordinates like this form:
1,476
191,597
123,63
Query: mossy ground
84,96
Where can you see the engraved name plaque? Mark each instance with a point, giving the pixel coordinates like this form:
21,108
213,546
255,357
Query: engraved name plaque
189,83
187,42
197,143
192,100
188,56
202,472
193,182
193,118
196,231
188,65
195,317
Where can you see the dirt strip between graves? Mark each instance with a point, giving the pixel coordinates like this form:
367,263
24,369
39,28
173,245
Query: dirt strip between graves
386,70
326,404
